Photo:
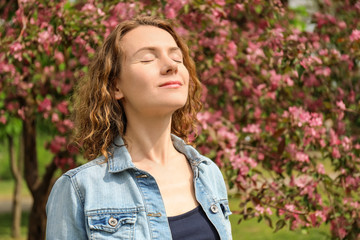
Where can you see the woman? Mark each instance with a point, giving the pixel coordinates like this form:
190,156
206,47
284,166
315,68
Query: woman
133,113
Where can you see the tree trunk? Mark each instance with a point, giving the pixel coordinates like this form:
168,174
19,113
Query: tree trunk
16,169
39,189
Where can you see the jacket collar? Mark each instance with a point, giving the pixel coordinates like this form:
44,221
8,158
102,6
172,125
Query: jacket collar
121,159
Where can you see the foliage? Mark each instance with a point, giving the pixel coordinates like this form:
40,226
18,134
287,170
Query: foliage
281,113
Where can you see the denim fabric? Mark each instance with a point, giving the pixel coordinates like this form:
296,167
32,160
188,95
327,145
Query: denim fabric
116,200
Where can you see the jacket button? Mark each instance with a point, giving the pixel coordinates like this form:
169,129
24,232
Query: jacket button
214,208
113,222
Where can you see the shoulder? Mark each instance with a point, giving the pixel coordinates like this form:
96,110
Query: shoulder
93,166
211,176
72,181
209,168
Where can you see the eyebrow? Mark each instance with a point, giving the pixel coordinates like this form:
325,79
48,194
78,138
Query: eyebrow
172,49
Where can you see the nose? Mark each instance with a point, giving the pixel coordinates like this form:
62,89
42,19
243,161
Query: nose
169,66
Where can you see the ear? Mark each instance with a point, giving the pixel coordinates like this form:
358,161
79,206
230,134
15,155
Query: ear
118,93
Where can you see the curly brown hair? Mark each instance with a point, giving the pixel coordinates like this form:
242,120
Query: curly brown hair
99,117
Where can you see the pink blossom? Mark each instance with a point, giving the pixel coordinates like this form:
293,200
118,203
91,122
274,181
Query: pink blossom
57,144
302,181
337,227
240,7
275,79
3,119
352,182
290,207
220,2
335,153
340,104
299,116
241,161
54,117
43,37
355,35
323,52
170,13
16,46
342,25
313,219
88,7
229,85
231,50
257,113
252,128
243,170
173,7
15,49
289,81
59,57
268,211
301,157
218,58
320,168
63,107
227,135
346,143
63,162
311,81
316,120
334,139
321,214
45,105
310,61
326,71
259,210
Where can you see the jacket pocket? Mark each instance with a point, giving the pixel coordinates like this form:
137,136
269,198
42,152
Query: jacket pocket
111,224
224,204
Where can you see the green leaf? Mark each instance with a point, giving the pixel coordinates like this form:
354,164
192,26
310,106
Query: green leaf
258,9
279,225
268,221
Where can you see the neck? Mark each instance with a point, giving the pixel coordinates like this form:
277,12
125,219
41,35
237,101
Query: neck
150,139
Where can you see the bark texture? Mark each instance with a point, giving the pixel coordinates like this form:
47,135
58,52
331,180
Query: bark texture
39,188
16,170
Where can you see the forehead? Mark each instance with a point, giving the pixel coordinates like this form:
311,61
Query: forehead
146,36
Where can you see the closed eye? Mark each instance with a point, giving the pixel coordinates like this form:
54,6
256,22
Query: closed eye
146,61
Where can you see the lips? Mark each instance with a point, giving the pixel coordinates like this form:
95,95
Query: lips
171,84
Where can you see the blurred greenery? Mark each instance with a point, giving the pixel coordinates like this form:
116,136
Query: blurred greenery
44,156
5,226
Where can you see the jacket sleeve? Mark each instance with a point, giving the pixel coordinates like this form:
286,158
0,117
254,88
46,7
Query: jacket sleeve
65,212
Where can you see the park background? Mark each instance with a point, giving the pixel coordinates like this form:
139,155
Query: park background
280,114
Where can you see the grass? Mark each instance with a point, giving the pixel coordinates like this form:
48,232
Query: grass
7,188
5,226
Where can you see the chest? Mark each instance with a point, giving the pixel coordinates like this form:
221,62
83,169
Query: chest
132,207
176,186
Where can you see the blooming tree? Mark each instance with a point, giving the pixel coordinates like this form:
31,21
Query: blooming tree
281,105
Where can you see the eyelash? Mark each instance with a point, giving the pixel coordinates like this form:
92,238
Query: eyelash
147,61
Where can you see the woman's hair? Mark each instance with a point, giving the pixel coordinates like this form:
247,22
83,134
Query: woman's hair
99,117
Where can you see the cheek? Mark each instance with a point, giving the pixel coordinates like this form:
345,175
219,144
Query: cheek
186,75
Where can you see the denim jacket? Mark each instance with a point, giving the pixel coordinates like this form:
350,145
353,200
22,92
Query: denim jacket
116,200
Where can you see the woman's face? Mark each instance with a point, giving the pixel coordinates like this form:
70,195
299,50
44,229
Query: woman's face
153,78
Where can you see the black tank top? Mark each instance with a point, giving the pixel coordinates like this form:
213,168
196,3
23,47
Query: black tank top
192,225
